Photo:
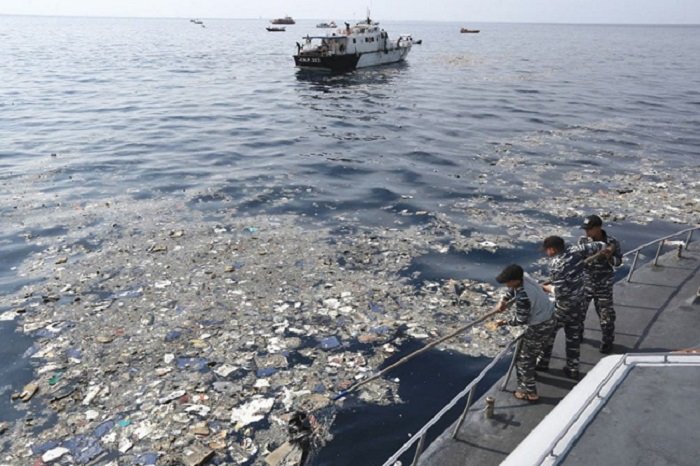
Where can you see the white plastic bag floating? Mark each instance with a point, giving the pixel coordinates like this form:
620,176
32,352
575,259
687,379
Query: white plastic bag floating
250,412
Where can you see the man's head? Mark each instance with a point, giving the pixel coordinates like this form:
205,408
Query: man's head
511,276
593,226
553,245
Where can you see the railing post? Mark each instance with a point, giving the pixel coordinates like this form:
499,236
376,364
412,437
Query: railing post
490,406
464,413
634,264
687,241
419,450
516,351
658,251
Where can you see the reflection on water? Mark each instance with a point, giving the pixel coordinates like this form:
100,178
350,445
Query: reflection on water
364,76
344,101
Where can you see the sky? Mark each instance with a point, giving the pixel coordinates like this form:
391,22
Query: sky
470,11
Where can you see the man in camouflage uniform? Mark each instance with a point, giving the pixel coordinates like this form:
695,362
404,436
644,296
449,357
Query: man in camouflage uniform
535,310
566,282
598,280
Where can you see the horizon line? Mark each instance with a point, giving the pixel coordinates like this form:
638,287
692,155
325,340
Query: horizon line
316,19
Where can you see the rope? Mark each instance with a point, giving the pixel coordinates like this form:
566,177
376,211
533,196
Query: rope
410,356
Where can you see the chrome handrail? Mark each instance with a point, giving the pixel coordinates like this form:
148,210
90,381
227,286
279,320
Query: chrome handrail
661,242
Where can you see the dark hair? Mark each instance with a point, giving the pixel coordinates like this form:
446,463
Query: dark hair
556,242
512,272
592,221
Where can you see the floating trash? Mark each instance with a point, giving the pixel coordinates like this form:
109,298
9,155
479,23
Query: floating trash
172,335
250,412
196,364
103,429
329,343
265,372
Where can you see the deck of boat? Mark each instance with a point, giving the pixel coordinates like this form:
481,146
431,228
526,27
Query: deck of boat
657,311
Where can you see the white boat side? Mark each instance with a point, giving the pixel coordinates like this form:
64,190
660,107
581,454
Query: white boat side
362,45
555,436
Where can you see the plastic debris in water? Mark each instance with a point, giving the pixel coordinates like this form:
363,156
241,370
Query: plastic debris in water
55,378
103,429
28,392
31,351
172,335
250,412
74,353
198,364
376,307
44,447
172,396
128,294
380,330
265,371
147,459
330,343
83,448
54,454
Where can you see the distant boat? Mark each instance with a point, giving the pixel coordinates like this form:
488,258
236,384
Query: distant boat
465,30
198,21
275,29
285,20
327,25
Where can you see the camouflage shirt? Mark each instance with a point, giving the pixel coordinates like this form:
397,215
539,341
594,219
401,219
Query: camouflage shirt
566,270
602,267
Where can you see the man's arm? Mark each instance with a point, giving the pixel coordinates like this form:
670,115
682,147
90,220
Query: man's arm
589,248
505,300
522,309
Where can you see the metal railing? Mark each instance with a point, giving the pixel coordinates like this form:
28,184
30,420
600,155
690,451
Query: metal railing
661,242
469,390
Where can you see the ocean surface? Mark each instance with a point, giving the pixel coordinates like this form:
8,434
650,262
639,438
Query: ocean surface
218,116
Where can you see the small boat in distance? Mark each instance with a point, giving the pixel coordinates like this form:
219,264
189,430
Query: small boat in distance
285,20
465,30
198,21
275,29
359,46
330,25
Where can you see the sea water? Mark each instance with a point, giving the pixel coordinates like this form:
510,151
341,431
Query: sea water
93,109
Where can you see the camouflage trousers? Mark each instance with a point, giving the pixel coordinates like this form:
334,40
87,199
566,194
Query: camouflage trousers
567,315
531,345
601,292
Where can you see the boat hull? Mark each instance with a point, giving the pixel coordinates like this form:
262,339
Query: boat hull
349,62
